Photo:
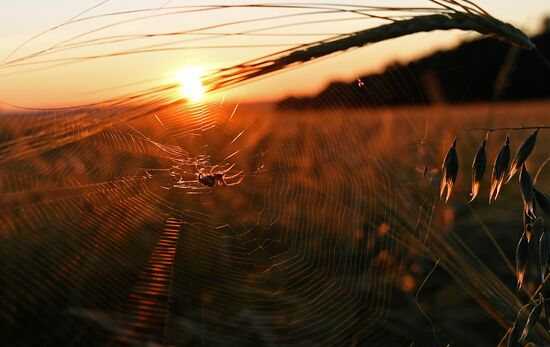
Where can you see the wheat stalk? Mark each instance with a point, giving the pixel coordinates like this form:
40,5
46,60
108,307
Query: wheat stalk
444,15
469,21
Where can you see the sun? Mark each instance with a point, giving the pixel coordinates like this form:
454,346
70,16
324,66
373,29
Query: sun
190,81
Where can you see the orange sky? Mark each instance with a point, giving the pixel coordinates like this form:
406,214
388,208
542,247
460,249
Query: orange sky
36,85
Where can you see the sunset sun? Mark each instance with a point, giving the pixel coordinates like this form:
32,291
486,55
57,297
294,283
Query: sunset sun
190,81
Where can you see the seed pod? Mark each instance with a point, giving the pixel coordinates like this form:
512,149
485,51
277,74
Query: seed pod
449,172
522,154
531,320
544,252
478,169
526,188
543,201
522,254
499,169
513,337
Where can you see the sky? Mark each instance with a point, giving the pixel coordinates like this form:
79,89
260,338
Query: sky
31,82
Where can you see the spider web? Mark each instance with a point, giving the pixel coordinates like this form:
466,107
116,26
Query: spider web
109,238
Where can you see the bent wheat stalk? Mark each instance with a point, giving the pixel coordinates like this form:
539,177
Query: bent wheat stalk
401,21
469,20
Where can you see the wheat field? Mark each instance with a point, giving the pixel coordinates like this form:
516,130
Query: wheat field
331,237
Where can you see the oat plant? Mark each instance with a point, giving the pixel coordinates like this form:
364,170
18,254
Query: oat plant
532,197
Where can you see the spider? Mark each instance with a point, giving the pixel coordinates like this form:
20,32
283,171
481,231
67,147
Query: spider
212,178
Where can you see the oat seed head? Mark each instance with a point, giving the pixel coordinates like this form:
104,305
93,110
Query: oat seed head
478,169
526,188
449,172
522,154
522,254
499,169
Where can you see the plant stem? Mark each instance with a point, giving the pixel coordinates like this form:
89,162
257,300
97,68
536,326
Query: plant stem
543,127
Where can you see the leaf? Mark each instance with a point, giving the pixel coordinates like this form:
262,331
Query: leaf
449,172
522,254
499,169
522,154
478,169
526,188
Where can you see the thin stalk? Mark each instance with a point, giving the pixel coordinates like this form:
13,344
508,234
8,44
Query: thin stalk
540,169
542,127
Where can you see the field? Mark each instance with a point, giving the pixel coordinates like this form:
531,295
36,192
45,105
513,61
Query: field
335,236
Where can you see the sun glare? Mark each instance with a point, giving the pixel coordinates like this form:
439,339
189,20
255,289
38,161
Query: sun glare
190,81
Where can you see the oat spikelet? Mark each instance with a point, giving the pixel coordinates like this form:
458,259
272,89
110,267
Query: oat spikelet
522,254
526,188
532,320
499,169
478,169
522,154
449,171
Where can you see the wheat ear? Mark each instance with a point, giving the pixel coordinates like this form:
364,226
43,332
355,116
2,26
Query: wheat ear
481,23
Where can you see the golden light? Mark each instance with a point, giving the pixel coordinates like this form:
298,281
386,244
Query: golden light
190,81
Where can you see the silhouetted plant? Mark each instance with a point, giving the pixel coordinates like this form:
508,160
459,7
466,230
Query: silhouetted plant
530,196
